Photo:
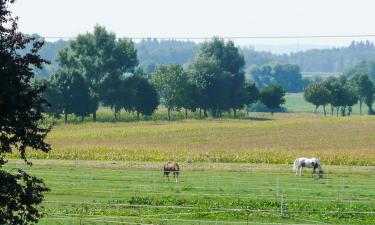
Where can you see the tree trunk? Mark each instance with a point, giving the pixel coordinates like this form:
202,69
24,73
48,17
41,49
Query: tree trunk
115,115
82,118
234,113
316,109
205,112
337,111
65,117
94,116
360,107
332,110
200,113
324,109
169,114
137,115
186,113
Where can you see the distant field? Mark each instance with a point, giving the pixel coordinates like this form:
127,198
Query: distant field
260,139
296,103
206,194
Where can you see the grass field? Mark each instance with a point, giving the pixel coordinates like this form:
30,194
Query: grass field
262,138
135,193
296,103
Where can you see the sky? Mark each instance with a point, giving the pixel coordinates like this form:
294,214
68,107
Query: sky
203,18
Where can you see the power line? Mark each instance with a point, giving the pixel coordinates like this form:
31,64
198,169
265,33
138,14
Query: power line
234,37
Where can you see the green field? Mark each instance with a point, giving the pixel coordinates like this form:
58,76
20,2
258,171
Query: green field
135,193
233,171
296,103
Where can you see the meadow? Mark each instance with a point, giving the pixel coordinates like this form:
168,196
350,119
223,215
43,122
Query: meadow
259,138
295,103
135,193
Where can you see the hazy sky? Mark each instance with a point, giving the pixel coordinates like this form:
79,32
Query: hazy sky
192,18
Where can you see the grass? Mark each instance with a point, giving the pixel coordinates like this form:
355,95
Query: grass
260,139
296,103
91,194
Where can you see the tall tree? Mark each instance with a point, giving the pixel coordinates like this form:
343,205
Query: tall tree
272,96
209,82
363,88
21,110
75,93
318,95
103,59
170,82
141,96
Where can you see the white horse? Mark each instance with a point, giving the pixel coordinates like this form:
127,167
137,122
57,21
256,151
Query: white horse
313,163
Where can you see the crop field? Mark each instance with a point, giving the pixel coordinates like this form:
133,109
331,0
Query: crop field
87,192
261,138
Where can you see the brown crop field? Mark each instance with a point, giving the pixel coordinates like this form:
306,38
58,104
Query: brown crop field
259,139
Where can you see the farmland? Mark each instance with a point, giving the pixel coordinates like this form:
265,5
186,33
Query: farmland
135,193
233,171
261,138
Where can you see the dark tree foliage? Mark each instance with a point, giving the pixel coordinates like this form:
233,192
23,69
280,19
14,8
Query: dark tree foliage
53,97
142,96
103,60
21,110
74,93
287,75
272,96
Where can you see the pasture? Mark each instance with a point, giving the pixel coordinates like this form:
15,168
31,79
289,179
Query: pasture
89,192
260,138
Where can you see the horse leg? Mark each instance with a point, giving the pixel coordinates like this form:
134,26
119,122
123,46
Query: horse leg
166,176
313,173
300,171
176,176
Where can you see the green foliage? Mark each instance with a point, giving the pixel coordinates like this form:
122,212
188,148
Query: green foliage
364,89
141,96
318,95
342,94
21,110
364,67
272,96
170,82
74,93
287,75
102,59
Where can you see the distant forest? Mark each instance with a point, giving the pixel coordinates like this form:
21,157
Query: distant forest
152,52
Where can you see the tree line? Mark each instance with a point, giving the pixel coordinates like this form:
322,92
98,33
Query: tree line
99,69
342,93
152,52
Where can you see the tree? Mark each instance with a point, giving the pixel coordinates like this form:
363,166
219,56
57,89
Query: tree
53,97
363,88
102,59
363,67
21,110
318,95
272,96
287,75
231,62
141,97
75,94
208,81
170,82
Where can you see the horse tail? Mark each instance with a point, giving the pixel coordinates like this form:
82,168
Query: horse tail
295,165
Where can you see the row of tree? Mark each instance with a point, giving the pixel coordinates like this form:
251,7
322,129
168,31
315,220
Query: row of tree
97,68
342,93
287,75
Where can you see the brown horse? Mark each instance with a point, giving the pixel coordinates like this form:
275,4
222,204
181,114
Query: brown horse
171,167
